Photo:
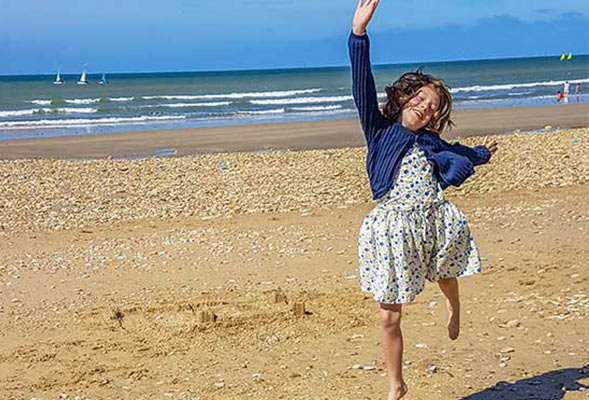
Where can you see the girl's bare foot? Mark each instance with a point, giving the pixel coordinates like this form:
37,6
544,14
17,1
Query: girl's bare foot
449,287
397,391
453,322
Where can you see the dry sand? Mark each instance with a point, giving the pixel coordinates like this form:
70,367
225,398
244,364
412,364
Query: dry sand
180,277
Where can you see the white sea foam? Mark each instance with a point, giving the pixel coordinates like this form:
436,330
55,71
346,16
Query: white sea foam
507,86
80,122
121,99
282,93
72,110
41,111
45,110
333,112
41,102
81,101
506,100
263,112
519,93
17,113
317,108
185,105
303,100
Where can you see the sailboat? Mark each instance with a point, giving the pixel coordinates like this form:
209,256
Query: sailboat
562,57
83,80
103,80
58,80
569,56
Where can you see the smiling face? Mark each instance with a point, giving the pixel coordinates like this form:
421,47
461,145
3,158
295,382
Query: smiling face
418,111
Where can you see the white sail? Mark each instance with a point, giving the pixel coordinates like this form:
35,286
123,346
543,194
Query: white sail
58,80
102,80
83,80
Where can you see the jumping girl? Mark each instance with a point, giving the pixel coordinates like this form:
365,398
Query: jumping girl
413,233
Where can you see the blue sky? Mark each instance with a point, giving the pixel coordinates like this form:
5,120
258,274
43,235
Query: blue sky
37,36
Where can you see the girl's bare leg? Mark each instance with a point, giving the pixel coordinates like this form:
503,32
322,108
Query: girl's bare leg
450,289
392,344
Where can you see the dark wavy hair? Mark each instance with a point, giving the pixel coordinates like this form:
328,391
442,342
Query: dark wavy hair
406,87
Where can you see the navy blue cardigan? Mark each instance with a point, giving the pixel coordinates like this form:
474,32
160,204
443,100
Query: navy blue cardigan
388,141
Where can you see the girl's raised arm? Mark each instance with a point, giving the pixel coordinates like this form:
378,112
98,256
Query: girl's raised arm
363,86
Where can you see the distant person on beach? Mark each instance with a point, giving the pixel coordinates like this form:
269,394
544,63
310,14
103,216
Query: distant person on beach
559,96
566,89
578,91
413,234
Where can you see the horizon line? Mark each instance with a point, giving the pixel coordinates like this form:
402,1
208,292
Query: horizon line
282,68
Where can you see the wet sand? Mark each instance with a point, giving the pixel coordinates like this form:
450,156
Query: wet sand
293,136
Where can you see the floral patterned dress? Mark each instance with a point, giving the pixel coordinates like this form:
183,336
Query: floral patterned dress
413,234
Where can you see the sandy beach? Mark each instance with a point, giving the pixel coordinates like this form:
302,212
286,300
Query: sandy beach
233,275
293,136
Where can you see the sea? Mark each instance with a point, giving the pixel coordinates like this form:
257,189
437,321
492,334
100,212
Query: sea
32,106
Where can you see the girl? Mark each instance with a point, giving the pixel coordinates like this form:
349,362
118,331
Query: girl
413,233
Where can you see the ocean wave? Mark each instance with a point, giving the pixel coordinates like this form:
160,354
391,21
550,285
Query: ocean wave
81,101
281,93
333,112
80,122
520,93
41,102
17,113
185,105
506,99
263,112
121,99
303,100
507,86
71,110
316,108
40,111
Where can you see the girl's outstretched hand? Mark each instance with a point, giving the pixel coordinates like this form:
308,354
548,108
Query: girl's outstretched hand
363,15
490,144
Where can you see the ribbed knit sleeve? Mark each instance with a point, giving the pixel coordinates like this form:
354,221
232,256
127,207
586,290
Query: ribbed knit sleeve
363,87
483,153
478,155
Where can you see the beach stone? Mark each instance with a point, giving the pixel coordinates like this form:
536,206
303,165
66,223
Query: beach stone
513,323
101,191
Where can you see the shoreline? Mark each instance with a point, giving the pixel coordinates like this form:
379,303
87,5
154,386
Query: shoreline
327,134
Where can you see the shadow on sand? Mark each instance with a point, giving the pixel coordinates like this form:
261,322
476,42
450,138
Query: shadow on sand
552,385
